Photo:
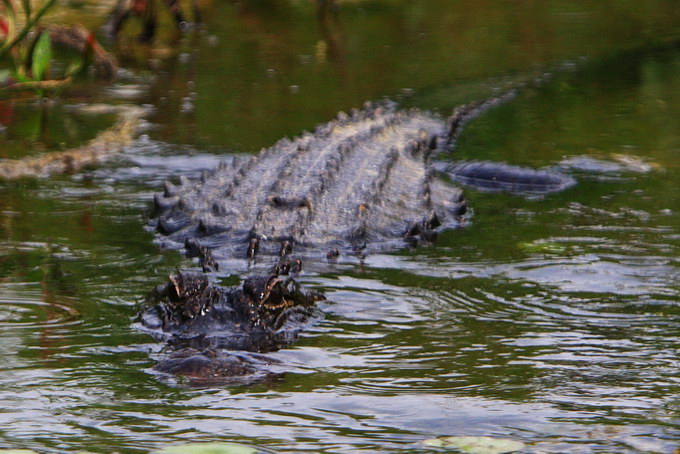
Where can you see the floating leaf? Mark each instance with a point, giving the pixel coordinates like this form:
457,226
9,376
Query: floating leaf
546,247
42,55
476,445
208,448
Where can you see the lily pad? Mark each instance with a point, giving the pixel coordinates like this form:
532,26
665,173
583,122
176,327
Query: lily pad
476,445
545,247
208,448
17,451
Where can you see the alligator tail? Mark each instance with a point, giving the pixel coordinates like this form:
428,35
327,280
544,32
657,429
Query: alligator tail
497,176
463,114
493,176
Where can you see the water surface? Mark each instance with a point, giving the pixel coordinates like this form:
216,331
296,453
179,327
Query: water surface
552,320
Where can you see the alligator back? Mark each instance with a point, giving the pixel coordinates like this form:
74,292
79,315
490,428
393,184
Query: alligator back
364,179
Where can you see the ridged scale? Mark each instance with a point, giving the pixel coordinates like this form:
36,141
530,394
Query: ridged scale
364,179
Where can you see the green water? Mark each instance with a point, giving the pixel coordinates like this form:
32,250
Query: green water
552,321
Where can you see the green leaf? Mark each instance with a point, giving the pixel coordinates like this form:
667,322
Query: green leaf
74,68
42,55
4,75
20,77
28,26
208,448
476,445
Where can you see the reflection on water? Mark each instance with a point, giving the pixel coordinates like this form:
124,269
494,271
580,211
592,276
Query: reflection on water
553,321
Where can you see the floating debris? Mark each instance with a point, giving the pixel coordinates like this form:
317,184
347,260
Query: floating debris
107,144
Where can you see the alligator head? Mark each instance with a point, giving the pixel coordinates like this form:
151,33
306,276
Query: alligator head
193,314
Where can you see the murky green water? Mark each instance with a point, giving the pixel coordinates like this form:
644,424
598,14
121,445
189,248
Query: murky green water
552,321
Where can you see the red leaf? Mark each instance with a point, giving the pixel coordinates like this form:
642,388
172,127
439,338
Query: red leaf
91,41
4,26
91,45
139,6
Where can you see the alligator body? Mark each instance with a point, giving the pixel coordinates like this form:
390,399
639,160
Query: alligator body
361,179
362,182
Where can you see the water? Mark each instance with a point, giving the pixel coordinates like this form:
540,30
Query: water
553,321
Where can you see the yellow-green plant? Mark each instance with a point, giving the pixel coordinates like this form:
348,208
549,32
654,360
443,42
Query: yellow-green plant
15,34
26,47
9,23
30,58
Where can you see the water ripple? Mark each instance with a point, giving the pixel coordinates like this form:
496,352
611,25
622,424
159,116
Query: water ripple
27,311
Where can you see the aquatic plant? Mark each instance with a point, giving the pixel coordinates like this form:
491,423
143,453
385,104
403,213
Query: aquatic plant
30,57
10,24
27,49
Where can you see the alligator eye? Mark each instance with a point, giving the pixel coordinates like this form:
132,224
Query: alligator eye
176,286
272,282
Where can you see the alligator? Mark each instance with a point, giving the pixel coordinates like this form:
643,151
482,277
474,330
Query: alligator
360,183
